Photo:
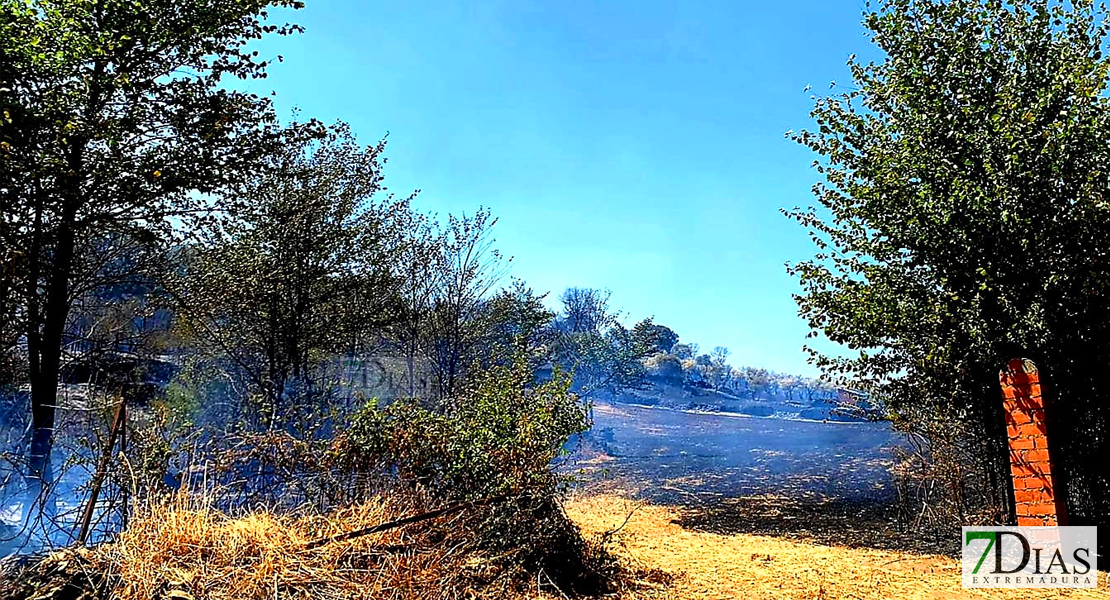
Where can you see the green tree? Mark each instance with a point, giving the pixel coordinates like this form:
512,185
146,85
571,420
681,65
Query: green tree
468,268
965,222
419,277
302,270
591,343
665,367
114,117
654,337
685,351
516,324
719,371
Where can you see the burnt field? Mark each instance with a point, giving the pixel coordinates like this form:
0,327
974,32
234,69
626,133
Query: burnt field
676,456
827,482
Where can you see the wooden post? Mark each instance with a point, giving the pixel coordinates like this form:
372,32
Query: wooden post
1038,499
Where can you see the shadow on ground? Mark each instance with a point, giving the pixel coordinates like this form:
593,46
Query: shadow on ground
830,522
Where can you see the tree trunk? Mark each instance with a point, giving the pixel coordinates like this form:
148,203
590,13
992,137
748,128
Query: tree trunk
44,379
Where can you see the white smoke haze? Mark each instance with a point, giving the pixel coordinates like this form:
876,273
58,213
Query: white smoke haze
682,448
672,455
53,521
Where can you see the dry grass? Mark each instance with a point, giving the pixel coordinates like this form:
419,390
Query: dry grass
753,567
186,547
182,550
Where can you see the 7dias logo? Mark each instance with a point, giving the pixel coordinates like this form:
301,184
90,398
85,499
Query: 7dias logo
1030,557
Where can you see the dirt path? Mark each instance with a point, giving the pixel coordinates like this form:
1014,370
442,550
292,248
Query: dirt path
754,567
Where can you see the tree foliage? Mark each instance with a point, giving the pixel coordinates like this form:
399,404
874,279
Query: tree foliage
585,310
653,337
495,437
115,119
592,344
467,269
964,219
299,271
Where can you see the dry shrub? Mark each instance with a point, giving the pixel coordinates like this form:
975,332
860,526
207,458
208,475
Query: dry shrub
942,484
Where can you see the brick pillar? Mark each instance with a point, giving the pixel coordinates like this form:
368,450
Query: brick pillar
1038,499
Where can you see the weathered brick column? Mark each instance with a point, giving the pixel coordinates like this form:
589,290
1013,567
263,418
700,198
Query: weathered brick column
1038,500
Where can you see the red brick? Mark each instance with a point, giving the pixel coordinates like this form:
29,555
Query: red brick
1018,380
1025,478
1028,477
1023,416
1039,468
1019,393
1025,496
1036,484
1022,406
1035,456
1029,402
1031,429
1035,521
1033,495
1037,508
1025,468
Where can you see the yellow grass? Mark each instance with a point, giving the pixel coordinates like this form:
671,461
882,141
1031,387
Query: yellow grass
751,567
183,551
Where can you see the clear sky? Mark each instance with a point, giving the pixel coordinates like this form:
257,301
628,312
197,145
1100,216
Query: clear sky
634,146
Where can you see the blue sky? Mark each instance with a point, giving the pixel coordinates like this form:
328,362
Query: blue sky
634,146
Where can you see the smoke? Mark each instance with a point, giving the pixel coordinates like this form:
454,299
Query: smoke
52,520
673,455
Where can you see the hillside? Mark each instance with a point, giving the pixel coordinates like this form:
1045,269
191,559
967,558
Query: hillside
657,391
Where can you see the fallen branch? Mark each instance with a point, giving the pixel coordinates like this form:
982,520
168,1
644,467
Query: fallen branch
118,423
350,535
608,535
